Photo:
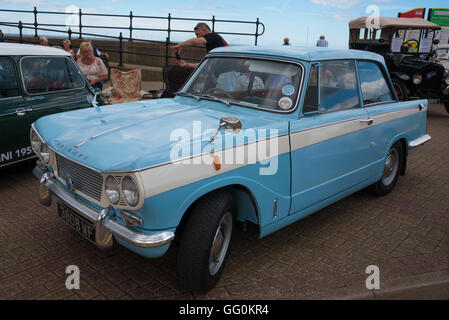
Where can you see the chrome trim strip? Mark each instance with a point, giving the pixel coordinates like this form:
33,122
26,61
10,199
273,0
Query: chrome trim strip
21,160
124,233
133,123
419,142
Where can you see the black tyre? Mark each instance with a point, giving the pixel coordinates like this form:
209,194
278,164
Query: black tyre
401,89
391,172
446,105
205,242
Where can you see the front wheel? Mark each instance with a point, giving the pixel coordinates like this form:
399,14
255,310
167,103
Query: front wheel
205,242
391,171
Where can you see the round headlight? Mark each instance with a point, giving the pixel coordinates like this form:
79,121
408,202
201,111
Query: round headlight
417,78
36,142
45,154
447,80
112,190
130,191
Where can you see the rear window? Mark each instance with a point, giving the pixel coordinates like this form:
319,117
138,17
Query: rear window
50,74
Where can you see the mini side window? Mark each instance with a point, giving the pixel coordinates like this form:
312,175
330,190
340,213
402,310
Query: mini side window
9,87
50,74
335,89
373,84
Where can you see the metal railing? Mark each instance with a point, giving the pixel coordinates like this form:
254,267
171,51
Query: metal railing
44,27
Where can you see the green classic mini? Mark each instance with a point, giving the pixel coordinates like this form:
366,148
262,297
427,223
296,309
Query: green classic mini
35,81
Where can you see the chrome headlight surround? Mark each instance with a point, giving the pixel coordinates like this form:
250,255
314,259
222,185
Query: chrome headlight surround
40,148
112,190
36,142
130,191
45,154
417,78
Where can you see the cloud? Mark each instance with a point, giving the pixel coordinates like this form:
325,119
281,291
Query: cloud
342,4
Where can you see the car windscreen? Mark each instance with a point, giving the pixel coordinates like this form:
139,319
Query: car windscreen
259,83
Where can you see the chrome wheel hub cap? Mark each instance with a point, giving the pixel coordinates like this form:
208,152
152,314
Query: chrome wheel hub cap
220,243
391,167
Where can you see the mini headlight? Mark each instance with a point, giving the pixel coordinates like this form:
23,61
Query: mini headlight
45,154
112,190
417,78
130,191
447,80
36,142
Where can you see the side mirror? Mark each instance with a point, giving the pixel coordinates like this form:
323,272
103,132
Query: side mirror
381,40
231,123
95,98
436,41
234,124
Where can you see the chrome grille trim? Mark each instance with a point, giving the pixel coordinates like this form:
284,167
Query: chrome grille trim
83,179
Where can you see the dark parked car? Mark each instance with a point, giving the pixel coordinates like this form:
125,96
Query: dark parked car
35,81
407,45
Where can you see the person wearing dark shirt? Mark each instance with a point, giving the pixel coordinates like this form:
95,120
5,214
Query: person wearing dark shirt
204,36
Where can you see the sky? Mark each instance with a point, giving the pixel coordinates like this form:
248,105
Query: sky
303,21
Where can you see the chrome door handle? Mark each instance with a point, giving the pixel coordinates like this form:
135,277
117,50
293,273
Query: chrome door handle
369,121
22,111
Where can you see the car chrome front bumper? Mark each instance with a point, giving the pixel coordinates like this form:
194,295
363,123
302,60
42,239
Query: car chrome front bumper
104,224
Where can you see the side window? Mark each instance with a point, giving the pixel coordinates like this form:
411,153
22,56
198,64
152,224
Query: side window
8,80
373,84
49,74
334,89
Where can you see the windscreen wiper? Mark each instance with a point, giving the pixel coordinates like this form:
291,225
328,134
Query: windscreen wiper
187,94
214,98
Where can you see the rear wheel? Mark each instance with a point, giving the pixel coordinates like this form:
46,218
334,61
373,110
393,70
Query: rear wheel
401,89
205,242
392,168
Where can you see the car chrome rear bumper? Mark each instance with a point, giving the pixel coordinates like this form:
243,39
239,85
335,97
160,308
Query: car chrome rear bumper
419,142
102,219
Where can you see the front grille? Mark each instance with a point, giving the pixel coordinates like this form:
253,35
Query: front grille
83,179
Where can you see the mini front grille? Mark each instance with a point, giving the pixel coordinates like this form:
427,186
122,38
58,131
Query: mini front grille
83,179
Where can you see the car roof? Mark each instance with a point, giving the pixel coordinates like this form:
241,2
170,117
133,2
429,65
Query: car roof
299,53
16,49
388,22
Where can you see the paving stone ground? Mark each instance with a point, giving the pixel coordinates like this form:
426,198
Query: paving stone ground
405,234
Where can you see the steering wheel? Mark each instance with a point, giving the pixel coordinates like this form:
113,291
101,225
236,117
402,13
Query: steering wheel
225,93
410,43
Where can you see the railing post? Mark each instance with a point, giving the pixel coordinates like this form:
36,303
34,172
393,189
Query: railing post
80,25
167,41
120,38
213,23
257,31
130,26
35,21
70,34
20,32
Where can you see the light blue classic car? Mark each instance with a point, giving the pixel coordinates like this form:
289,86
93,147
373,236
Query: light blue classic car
262,135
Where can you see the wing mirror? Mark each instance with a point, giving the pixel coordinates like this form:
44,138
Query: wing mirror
234,124
436,41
